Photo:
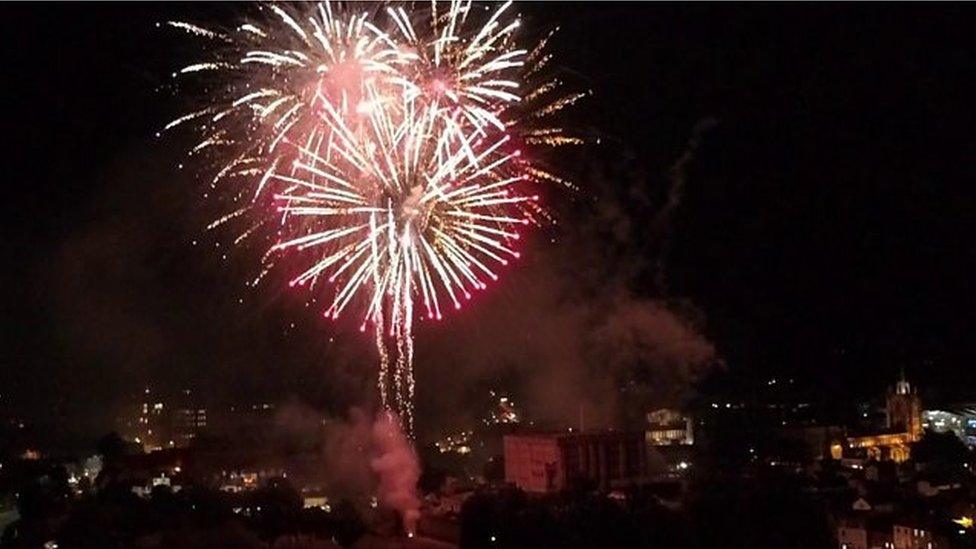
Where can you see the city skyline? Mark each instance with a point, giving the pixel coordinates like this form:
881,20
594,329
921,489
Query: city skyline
488,275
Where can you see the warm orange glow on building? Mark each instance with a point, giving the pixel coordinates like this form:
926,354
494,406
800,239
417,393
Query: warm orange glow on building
871,441
904,410
836,450
887,446
904,423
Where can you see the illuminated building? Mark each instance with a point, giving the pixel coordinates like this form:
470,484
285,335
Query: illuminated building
150,429
156,421
959,419
904,410
550,462
187,424
903,413
249,478
188,419
877,532
941,421
316,501
913,537
666,427
882,447
145,490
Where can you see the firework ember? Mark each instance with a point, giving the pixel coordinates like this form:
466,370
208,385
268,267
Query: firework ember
380,149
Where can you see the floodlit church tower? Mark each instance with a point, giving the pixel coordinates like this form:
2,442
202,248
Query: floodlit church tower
904,409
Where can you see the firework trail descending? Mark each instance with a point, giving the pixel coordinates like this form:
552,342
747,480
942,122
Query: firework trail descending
388,151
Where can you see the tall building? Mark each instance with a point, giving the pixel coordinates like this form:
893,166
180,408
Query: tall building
156,421
187,424
189,419
904,410
152,422
550,462
903,426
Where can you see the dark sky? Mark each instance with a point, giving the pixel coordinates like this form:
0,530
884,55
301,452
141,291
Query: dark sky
825,231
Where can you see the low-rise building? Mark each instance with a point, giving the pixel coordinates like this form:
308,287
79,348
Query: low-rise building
914,537
852,536
666,427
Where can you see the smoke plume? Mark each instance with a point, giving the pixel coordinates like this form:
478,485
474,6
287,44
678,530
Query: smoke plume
398,469
578,331
361,457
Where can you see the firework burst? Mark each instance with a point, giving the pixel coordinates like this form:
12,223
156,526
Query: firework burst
381,148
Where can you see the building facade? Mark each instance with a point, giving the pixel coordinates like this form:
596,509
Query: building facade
903,422
551,462
852,536
913,537
904,410
666,427
942,421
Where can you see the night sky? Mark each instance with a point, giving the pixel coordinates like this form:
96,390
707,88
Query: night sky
825,229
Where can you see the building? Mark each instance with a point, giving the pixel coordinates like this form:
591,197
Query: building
867,531
188,418
881,539
903,421
959,419
904,410
913,537
859,537
144,421
550,462
852,536
156,421
316,499
666,427
188,423
941,421
882,446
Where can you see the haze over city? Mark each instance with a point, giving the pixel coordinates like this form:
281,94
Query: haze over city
732,242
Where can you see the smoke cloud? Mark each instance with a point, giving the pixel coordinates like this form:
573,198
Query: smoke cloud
361,456
398,469
578,331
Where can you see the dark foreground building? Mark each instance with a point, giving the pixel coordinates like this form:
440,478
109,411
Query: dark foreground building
550,462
